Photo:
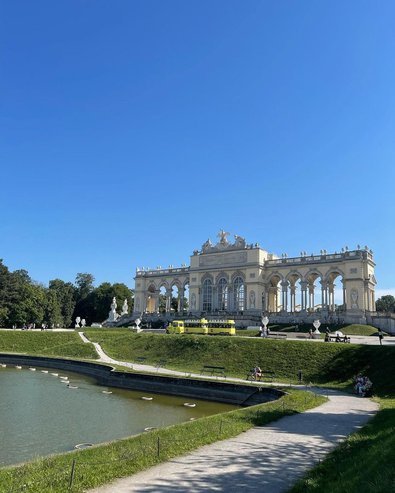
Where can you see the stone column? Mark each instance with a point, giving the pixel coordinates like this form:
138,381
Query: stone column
292,298
324,294
303,301
168,300
284,285
331,289
311,296
344,295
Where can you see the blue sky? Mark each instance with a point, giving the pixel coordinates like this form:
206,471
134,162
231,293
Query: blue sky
130,131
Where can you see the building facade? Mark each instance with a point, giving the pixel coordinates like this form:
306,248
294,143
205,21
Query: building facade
244,281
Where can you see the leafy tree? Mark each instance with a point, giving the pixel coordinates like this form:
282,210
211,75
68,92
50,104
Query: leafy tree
66,295
84,283
53,313
386,304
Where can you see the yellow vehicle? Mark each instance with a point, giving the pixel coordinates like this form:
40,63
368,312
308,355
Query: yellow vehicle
202,326
222,327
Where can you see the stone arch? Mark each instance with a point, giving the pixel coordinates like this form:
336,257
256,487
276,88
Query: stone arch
175,282
334,297
273,291
313,290
150,303
164,284
205,276
294,300
236,274
221,275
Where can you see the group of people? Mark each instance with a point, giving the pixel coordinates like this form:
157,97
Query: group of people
363,385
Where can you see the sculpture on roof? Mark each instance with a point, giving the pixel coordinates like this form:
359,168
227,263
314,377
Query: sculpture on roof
207,245
223,240
240,242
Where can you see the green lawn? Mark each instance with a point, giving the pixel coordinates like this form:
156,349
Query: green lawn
67,344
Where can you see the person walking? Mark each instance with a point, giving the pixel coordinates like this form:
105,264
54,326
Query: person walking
381,337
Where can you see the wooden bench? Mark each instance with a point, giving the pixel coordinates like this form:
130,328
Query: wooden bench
140,359
277,335
213,370
339,339
267,375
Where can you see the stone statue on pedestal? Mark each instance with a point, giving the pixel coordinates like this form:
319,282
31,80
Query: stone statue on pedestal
113,315
125,308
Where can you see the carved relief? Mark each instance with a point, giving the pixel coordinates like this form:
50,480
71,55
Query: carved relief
226,259
354,298
193,301
252,299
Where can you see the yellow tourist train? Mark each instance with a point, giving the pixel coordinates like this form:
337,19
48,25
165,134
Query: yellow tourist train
202,326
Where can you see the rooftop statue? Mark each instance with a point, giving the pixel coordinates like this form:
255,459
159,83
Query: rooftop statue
223,240
240,242
207,245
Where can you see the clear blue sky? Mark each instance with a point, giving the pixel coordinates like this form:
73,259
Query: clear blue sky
131,131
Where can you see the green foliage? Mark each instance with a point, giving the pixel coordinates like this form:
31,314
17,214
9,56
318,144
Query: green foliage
66,295
386,304
65,344
23,301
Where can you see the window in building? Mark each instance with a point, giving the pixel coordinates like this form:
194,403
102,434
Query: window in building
222,294
239,294
207,295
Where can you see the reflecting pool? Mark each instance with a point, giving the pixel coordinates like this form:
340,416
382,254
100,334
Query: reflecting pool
42,413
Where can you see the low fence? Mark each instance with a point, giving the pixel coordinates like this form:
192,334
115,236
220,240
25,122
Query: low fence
145,450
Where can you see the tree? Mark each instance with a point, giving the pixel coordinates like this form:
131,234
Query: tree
53,313
66,295
386,303
84,283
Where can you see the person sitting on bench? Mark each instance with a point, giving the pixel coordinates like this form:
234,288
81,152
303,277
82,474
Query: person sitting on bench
257,373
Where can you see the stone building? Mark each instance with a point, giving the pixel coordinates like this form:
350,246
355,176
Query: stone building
244,280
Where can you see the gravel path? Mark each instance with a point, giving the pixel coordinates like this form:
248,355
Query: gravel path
265,459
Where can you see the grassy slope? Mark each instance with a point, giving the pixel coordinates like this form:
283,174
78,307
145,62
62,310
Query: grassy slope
320,363
67,344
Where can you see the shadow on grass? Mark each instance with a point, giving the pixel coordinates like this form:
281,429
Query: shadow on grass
363,463
377,362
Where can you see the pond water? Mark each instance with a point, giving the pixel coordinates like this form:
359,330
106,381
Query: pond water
40,415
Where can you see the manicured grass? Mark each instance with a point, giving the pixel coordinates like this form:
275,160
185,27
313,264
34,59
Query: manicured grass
320,363
67,344
359,330
101,464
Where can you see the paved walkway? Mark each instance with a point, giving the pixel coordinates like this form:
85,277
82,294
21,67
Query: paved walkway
265,459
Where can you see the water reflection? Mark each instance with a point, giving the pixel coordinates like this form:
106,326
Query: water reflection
43,413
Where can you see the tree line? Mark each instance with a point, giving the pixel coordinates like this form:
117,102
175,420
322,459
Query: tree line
24,301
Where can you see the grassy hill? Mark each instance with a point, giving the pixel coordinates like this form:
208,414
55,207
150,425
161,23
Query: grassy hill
319,363
67,344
